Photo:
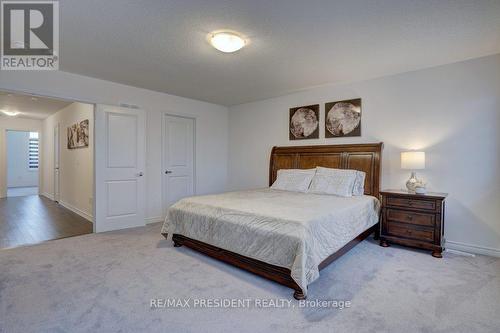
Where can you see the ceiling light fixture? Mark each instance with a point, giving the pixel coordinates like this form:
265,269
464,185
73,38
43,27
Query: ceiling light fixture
226,42
10,113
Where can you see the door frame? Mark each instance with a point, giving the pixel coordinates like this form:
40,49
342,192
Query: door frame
163,166
73,99
58,182
4,156
3,137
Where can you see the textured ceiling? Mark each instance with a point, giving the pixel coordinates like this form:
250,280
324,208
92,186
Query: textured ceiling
294,44
29,106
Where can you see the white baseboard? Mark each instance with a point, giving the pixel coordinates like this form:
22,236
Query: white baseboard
77,211
155,219
48,195
469,248
89,217
460,253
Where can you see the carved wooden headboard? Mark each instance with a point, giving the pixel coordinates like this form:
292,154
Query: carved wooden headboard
363,157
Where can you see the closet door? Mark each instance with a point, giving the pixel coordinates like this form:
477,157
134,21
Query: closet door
119,168
178,159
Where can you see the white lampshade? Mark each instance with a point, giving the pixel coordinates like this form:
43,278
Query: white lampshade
413,160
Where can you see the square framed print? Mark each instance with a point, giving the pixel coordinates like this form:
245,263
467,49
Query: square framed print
304,122
343,118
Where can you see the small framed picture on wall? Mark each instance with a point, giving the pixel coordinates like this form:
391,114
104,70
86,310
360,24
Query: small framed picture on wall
343,118
304,122
78,135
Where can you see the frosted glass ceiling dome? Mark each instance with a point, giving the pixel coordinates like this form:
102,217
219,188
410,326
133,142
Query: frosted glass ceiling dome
226,42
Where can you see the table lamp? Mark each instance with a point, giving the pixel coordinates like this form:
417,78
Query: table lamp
413,160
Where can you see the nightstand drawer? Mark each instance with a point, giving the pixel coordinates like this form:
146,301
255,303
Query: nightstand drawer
411,203
409,231
411,217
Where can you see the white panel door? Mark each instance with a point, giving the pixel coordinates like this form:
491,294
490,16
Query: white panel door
178,159
119,168
56,162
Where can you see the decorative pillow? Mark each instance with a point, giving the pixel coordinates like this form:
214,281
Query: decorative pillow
359,183
296,180
333,181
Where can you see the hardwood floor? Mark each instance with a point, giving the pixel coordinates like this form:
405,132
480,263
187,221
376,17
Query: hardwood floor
34,219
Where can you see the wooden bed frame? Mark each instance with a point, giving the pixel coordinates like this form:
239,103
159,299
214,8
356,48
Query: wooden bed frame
363,157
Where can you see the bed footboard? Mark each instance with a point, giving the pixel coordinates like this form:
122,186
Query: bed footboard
271,272
275,273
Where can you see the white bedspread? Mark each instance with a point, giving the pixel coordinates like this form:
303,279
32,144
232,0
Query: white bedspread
286,229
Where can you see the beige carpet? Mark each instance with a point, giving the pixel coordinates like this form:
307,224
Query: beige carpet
105,283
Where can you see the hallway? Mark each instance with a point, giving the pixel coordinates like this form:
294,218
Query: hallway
34,219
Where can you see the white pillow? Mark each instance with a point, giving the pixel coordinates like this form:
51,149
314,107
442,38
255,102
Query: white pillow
296,180
359,183
333,181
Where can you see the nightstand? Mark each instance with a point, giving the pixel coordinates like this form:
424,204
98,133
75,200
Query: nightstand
415,220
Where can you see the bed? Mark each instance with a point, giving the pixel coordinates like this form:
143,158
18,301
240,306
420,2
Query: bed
287,237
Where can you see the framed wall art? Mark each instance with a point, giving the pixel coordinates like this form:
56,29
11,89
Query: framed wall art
304,122
78,135
343,118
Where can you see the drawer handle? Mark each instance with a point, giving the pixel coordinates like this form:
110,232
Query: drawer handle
409,232
409,217
410,203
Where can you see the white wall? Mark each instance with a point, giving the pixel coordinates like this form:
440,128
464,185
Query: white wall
211,123
76,166
451,112
18,172
12,123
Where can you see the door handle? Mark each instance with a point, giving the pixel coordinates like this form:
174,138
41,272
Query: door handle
140,174
167,172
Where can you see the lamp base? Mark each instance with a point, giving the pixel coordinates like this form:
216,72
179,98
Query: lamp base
415,185
412,182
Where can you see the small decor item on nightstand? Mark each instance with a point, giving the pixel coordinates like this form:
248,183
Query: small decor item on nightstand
420,188
413,160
